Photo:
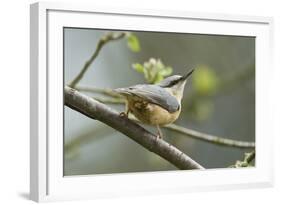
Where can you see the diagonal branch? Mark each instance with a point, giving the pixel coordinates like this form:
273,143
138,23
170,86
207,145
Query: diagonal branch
95,110
105,39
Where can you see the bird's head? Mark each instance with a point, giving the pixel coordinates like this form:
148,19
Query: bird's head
175,84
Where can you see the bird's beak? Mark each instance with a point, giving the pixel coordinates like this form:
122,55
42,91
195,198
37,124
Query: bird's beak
187,75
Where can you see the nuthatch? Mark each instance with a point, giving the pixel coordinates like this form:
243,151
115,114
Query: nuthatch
158,104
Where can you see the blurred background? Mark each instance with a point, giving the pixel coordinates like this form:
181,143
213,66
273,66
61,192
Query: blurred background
218,100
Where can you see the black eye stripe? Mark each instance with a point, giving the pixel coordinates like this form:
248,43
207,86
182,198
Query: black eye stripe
173,83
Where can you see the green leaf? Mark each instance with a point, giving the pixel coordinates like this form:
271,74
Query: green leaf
158,78
153,70
159,65
166,71
138,67
146,74
133,42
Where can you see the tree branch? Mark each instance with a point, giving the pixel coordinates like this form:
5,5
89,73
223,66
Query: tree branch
210,138
105,114
105,39
185,131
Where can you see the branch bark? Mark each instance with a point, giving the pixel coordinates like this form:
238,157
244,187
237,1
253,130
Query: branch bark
98,111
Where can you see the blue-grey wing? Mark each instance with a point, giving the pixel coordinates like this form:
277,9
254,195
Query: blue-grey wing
154,94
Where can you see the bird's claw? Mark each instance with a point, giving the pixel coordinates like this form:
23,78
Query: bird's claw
123,114
159,136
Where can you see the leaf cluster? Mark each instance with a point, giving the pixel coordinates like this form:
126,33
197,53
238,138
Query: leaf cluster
153,70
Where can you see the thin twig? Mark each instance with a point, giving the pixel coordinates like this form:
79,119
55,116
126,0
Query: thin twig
95,110
248,158
105,91
210,138
109,100
105,39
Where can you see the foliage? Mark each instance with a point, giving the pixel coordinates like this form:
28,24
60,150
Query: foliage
133,42
248,157
153,70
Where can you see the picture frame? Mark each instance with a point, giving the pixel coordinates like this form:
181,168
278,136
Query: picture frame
47,182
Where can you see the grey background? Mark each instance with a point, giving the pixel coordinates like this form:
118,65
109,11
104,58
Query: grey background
99,149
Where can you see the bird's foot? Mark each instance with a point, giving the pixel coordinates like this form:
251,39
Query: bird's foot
159,133
123,114
158,136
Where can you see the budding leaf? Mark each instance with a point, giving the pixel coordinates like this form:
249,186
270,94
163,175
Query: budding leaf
153,70
133,42
158,78
138,67
166,71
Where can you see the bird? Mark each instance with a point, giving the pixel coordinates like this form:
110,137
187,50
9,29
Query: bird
155,104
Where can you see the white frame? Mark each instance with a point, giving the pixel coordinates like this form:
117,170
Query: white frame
46,180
